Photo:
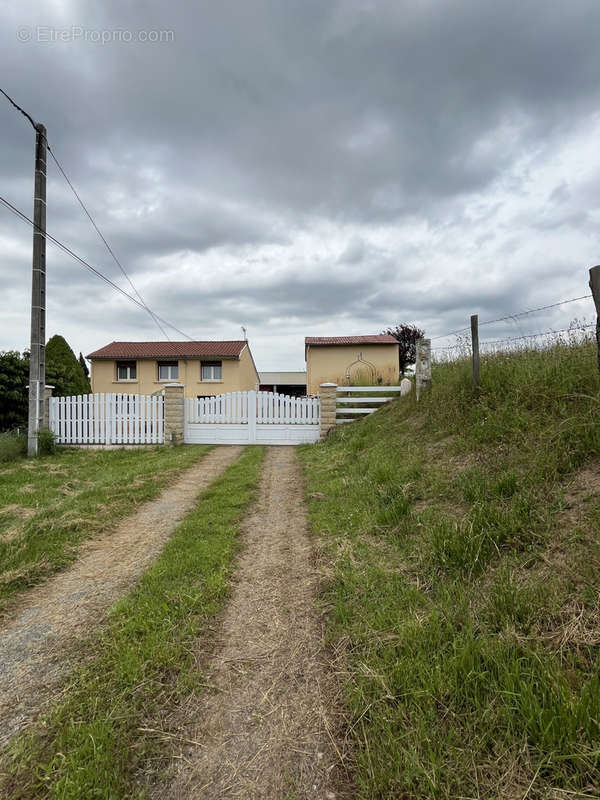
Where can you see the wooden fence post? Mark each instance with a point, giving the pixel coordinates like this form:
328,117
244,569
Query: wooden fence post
475,349
595,287
423,365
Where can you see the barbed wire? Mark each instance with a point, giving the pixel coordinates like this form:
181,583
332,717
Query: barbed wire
513,316
517,338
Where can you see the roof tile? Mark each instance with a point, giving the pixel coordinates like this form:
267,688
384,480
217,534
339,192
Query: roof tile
230,349
376,338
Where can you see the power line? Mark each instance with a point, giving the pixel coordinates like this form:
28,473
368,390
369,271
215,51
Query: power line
108,247
144,305
86,264
18,107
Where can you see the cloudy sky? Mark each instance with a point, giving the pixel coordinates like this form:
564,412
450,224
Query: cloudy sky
303,167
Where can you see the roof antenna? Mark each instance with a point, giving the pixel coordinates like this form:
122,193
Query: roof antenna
245,334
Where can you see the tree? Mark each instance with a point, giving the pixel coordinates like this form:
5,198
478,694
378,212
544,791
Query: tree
84,366
63,370
407,336
14,377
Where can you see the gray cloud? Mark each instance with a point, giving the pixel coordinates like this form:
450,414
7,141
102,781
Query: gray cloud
306,166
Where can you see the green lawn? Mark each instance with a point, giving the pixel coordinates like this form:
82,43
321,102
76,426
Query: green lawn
49,505
93,743
461,541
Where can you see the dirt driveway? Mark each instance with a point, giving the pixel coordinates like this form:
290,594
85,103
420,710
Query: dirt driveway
38,644
266,728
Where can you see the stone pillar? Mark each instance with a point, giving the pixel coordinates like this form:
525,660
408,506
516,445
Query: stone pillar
47,396
423,366
328,395
405,387
174,413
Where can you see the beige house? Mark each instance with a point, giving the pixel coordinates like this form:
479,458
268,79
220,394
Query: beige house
204,368
351,359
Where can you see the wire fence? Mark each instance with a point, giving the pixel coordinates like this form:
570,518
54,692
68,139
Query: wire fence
461,347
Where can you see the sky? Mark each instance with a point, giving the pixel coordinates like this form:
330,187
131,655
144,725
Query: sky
303,168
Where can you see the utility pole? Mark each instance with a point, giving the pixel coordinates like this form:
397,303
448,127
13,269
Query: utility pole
37,358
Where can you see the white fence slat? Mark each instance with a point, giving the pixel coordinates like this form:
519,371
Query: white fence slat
368,389
88,434
143,427
364,399
153,418
68,432
160,416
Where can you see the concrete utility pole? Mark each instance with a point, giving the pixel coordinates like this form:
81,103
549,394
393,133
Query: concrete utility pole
37,359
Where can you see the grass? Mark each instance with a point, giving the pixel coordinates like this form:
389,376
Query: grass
461,543
13,446
50,504
93,743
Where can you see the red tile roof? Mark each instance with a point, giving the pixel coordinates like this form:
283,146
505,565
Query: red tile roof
170,350
376,338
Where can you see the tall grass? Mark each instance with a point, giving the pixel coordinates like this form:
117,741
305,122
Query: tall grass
464,584
13,446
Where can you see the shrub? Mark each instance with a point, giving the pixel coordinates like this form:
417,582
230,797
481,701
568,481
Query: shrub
46,442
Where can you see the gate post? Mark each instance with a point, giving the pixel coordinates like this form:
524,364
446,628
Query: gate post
423,366
47,396
252,416
174,413
328,395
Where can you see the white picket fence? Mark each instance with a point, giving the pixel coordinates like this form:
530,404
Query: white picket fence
269,408
349,407
252,418
107,419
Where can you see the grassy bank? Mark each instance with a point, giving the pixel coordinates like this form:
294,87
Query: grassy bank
48,505
461,544
94,741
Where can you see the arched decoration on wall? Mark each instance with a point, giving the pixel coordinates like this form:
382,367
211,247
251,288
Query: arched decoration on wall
361,362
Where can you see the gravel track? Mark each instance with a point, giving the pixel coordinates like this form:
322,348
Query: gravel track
267,725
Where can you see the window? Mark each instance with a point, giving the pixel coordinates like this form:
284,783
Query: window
211,371
126,371
168,370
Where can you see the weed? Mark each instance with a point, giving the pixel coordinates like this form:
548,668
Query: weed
13,446
46,442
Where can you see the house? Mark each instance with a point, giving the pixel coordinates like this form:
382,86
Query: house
292,384
351,359
204,368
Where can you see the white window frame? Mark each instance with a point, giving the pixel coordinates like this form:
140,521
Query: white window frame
128,365
170,366
212,366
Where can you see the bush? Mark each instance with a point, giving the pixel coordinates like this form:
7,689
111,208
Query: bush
46,443
12,446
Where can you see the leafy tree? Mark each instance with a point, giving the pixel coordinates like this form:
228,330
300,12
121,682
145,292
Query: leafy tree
84,366
407,336
14,377
63,370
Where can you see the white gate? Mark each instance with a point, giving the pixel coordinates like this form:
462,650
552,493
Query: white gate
107,419
252,418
